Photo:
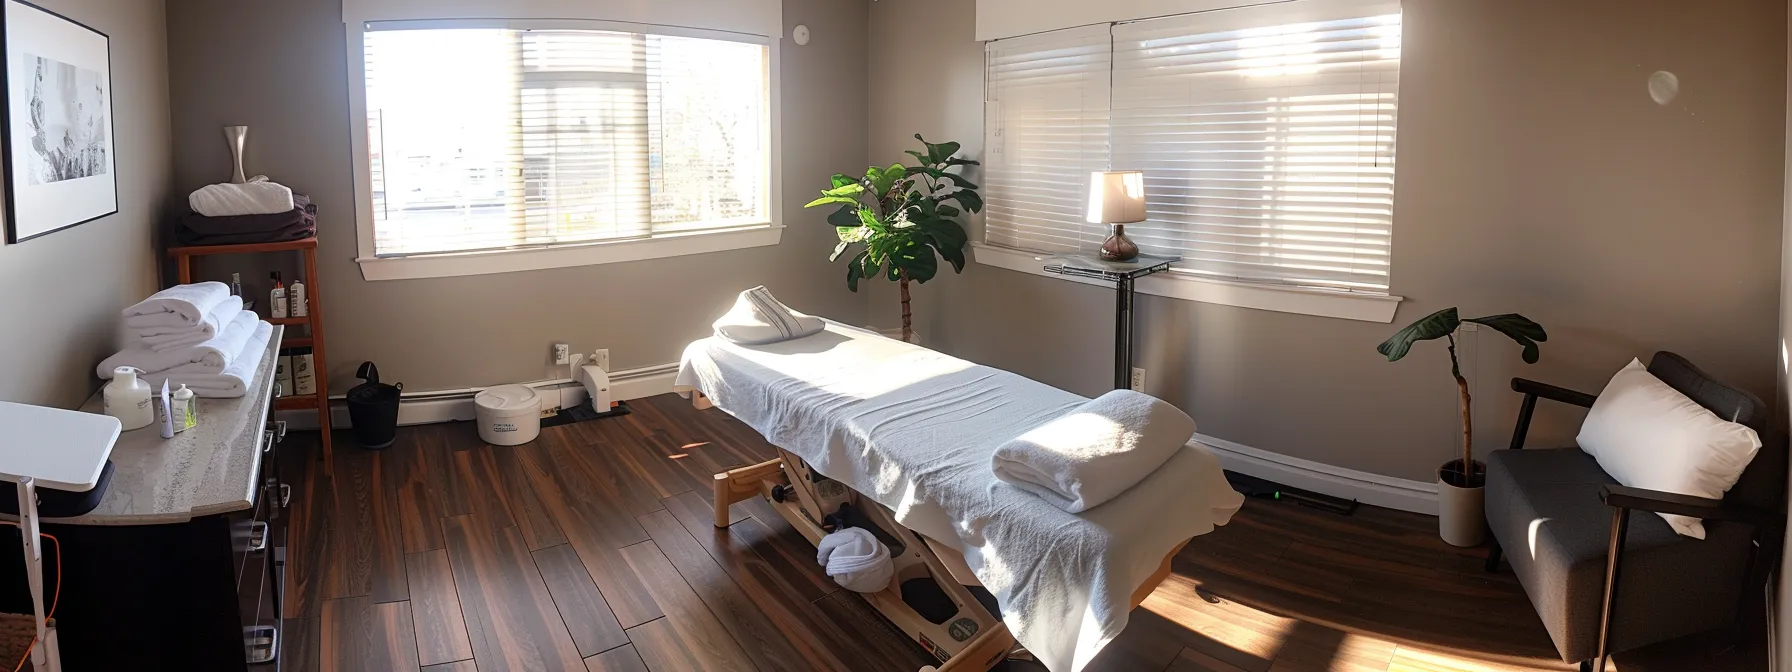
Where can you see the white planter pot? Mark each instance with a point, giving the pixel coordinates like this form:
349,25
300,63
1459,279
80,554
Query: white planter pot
1461,513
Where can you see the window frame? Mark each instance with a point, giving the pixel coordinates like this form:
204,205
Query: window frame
480,262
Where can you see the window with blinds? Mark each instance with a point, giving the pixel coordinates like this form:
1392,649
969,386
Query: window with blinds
1046,102
500,138
1266,135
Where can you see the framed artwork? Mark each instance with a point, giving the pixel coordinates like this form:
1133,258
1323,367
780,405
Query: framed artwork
56,110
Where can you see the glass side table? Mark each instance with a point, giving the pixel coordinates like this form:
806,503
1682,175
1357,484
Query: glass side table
1122,274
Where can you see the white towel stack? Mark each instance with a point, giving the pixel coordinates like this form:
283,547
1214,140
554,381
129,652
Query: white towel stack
197,335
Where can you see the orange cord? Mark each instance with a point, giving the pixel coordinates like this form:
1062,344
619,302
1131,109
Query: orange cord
55,598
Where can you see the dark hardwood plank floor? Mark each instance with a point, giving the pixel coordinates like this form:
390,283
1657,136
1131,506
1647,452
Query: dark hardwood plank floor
592,548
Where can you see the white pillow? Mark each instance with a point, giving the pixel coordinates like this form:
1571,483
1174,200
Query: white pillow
1648,435
758,318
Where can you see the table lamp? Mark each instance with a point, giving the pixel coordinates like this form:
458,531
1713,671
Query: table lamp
1117,198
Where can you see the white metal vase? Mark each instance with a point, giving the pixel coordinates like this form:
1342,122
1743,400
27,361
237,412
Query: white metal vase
1461,512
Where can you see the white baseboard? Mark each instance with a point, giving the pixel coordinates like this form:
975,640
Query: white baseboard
422,408
1384,491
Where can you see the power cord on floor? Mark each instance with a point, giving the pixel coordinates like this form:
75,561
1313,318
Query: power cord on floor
55,597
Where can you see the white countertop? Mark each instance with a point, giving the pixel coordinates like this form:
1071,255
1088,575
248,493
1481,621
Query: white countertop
210,469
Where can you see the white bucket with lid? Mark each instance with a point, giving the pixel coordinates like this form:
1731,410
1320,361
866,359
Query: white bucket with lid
508,415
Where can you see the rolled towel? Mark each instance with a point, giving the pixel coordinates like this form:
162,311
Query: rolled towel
856,559
212,356
169,338
758,318
257,197
234,381
177,305
1097,451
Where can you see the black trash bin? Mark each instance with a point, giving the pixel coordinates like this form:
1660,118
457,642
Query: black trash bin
373,408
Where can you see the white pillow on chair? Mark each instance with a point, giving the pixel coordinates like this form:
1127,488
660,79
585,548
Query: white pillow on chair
1648,435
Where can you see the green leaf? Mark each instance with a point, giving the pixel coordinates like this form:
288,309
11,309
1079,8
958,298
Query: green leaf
869,218
825,200
948,211
918,156
838,250
955,161
846,217
853,189
919,261
1436,325
961,182
1519,328
969,199
954,256
937,154
869,264
842,179
852,272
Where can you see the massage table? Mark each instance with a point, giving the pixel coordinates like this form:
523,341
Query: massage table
903,437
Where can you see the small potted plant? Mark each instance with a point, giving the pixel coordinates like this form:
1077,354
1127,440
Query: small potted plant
905,219
1461,519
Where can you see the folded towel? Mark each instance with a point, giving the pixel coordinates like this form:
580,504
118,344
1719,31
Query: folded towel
169,338
258,197
180,304
303,229
212,356
758,318
1096,451
856,559
234,381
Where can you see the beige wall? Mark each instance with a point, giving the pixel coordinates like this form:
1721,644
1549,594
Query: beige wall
61,293
278,67
1536,176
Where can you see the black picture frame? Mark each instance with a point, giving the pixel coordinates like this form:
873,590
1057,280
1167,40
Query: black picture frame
8,165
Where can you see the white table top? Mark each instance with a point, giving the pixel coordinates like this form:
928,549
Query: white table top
59,449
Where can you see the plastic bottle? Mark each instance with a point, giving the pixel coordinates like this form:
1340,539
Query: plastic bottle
277,297
236,284
127,398
295,299
186,413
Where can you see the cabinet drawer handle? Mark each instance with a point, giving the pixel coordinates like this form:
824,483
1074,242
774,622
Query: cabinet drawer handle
267,441
279,390
261,644
258,536
278,427
285,494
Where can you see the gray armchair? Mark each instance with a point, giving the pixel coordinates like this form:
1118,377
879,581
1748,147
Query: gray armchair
1604,580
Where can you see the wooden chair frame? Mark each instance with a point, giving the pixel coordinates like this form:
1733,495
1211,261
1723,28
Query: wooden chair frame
992,642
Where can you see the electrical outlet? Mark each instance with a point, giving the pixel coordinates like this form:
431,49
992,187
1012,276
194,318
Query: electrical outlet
1138,379
562,353
602,359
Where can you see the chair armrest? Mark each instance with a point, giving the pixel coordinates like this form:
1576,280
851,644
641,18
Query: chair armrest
1682,505
1553,393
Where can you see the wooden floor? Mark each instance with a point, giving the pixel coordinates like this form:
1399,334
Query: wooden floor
592,549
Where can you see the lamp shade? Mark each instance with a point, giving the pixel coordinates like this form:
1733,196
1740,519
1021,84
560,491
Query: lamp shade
1116,197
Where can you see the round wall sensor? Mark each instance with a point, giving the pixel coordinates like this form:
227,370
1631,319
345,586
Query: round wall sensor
801,35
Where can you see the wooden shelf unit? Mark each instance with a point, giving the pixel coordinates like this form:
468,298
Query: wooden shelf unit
307,247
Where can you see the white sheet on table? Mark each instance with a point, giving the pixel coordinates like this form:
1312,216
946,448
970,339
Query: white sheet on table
1064,580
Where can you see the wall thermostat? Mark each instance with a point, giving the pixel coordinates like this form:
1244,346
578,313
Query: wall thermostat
800,34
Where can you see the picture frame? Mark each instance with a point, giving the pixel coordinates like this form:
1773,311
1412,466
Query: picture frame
56,122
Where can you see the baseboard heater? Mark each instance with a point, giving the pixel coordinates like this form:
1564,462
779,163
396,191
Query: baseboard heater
1251,486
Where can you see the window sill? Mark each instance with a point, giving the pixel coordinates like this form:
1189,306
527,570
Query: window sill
1190,287
563,256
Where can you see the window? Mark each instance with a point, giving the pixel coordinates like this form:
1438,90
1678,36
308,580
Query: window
1266,135
484,137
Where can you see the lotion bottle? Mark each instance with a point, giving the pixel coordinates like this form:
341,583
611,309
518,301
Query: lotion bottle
127,398
295,299
186,413
277,297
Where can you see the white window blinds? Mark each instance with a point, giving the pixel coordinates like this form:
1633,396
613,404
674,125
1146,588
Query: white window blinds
499,138
1266,135
1046,130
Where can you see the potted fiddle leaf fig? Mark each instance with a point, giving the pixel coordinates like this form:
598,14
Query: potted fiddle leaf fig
905,218
1461,516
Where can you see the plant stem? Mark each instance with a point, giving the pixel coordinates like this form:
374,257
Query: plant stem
1468,424
908,330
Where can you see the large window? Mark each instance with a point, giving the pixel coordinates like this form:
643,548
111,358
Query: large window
1266,135
483,137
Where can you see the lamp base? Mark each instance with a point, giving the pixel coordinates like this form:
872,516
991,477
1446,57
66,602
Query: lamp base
1118,247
